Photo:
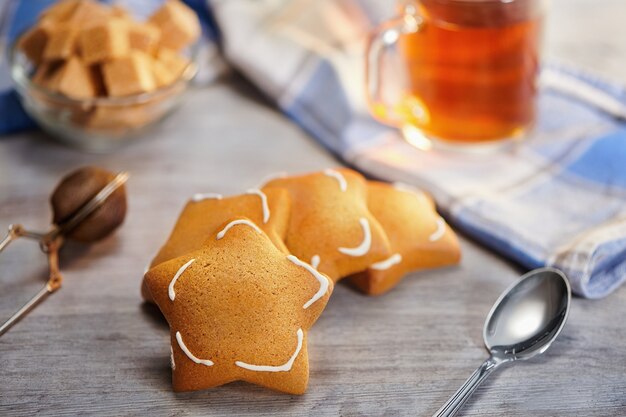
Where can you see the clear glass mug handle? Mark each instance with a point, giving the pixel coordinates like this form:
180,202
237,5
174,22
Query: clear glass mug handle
383,38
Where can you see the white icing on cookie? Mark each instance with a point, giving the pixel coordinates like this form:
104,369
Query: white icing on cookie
364,247
190,355
170,290
394,259
207,196
273,176
321,278
315,261
222,233
172,363
266,208
343,184
281,368
441,229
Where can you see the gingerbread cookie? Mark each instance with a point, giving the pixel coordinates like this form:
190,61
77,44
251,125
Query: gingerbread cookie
419,237
330,224
205,212
239,310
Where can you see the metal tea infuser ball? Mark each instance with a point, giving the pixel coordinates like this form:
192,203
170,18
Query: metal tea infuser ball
88,205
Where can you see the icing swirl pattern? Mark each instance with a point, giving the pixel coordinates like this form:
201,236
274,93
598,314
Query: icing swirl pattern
207,196
190,355
394,259
439,232
281,368
222,232
170,289
343,184
264,205
365,245
321,278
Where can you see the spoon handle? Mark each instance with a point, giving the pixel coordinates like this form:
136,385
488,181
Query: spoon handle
454,404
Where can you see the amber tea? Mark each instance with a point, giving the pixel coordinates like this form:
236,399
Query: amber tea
471,69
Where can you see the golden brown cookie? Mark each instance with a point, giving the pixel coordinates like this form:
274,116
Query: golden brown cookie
206,212
238,310
330,224
419,237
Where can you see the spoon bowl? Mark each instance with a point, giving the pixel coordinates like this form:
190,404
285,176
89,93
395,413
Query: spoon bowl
528,316
522,323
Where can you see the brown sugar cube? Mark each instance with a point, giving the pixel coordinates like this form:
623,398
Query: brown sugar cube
173,61
98,80
74,79
104,41
88,13
45,73
61,43
119,11
34,41
59,11
143,36
128,75
178,23
162,75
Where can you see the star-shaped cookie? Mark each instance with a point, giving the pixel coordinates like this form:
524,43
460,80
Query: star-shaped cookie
204,213
239,309
419,237
330,225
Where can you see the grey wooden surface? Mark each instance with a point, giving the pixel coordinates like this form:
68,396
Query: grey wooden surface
94,348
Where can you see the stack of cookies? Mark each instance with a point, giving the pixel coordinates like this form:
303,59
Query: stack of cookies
237,272
83,49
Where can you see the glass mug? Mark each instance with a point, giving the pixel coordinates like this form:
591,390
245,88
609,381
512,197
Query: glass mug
470,70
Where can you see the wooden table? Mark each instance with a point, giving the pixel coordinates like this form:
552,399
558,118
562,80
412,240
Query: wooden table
94,348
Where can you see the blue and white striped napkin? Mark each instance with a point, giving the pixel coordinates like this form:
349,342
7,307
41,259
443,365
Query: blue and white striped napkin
558,199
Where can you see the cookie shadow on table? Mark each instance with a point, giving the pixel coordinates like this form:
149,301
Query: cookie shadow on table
152,312
241,398
238,397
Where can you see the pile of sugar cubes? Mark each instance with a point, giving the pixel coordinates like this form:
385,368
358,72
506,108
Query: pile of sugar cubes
84,49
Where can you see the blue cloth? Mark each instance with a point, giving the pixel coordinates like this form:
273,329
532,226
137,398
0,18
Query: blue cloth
557,199
24,14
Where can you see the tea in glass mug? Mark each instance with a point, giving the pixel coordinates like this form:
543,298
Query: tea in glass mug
470,69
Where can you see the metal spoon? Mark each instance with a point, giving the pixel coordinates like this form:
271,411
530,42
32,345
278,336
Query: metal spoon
523,323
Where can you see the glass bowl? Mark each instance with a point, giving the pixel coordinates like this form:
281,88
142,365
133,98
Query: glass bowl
97,124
